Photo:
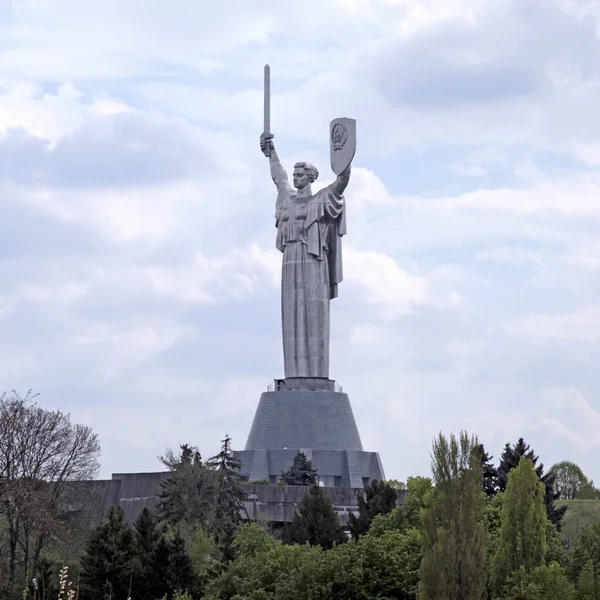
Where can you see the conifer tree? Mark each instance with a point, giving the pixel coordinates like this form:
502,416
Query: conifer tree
454,537
510,459
186,498
147,536
228,500
379,499
315,522
522,539
109,560
490,473
301,472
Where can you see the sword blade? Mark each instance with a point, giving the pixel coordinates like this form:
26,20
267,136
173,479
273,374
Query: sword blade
267,107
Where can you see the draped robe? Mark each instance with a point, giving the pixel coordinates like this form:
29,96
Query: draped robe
309,231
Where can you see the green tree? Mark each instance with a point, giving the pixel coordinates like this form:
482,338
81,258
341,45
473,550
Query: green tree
109,559
454,537
489,472
568,480
589,491
379,498
522,540
375,567
147,536
510,459
396,484
228,498
585,560
315,522
301,472
546,582
186,498
418,490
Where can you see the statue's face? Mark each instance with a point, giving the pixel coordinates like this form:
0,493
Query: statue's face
300,178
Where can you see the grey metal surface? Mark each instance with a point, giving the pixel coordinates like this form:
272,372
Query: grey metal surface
335,468
320,420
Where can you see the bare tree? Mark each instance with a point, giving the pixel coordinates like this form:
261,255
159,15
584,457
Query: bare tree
41,451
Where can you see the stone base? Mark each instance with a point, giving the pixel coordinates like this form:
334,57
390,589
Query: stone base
335,468
314,416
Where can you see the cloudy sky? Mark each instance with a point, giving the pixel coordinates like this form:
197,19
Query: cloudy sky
139,283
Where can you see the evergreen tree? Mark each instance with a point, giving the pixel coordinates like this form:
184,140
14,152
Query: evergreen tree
315,522
228,499
147,536
186,498
510,459
522,539
490,473
109,560
301,472
379,499
181,572
454,537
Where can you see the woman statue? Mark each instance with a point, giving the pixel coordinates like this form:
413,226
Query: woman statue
309,230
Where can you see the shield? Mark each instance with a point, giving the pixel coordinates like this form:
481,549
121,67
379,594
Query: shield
342,139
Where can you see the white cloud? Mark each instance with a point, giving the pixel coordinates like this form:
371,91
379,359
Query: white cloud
140,279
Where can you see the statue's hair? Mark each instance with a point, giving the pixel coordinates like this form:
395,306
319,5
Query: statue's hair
311,171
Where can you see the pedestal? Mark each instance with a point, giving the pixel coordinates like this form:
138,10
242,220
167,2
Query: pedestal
313,416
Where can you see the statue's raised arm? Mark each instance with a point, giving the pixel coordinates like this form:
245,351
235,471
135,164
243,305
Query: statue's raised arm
278,172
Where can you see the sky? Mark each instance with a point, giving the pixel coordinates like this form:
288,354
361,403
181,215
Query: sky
139,280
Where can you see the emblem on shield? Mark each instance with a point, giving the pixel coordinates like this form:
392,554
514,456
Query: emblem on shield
342,138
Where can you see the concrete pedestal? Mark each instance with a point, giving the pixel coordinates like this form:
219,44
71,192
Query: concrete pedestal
313,416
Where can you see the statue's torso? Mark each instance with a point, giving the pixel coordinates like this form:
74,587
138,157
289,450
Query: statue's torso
293,220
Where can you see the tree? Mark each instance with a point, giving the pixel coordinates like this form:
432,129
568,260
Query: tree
396,484
179,575
315,522
522,540
454,537
379,498
110,559
301,472
510,459
589,492
546,582
41,452
147,537
418,490
186,498
569,480
228,499
585,560
490,473
205,496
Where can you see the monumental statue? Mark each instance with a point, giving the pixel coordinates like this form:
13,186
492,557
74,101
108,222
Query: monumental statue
306,411
309,234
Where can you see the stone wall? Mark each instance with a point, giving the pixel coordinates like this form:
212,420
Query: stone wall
133,491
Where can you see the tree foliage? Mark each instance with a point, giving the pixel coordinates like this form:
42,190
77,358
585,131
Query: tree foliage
110,559
545,582
41,452
379,498
206,496
510,459
454,537
315,522
522,539
569,480
301,472
585,561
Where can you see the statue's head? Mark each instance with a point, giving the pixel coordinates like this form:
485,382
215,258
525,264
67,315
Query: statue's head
304,174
